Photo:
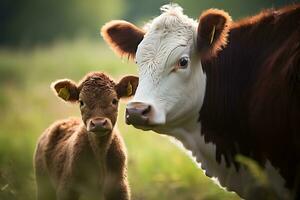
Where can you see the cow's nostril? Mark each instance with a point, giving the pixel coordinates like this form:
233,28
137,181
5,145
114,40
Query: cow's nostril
146,110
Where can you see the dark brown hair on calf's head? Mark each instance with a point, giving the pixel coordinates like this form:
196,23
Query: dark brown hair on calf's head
123,37
213,31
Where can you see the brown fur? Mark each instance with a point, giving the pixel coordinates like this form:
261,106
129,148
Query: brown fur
209,42
123,37
70,160
252,101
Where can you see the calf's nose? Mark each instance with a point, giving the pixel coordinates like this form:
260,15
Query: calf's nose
99,124
138,113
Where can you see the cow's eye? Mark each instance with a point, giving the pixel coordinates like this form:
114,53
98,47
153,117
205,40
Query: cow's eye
183,62
81,103
115,101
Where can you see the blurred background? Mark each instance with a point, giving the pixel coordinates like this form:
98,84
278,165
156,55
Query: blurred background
45,40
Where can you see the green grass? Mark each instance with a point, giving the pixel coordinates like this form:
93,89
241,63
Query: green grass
158,169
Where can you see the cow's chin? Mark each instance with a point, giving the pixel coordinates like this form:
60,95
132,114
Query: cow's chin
158,128
147,127
144,128
150,127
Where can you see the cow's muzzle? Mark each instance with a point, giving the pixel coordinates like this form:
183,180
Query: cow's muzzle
138,113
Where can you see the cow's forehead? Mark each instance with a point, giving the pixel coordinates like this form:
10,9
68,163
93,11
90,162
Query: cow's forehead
164,34
172,18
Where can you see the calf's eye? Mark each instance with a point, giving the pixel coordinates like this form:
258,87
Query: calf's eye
81,103
115,101
183,62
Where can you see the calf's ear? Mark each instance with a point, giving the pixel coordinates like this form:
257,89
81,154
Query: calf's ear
123,37
66,89
127,86
213,29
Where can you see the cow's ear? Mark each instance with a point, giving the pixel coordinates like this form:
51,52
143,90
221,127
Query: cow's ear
123,37
66,89
127,86
213,29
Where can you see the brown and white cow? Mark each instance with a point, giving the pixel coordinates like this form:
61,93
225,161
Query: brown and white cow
222,88
87,156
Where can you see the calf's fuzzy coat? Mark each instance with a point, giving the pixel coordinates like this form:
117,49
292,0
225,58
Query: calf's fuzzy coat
85,157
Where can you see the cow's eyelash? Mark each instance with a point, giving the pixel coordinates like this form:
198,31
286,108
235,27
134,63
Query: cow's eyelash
173,52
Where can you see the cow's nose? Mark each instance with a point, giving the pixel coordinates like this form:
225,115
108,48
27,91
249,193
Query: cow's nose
138,113
99,124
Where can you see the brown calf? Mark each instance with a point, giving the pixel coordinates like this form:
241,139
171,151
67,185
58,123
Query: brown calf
85,157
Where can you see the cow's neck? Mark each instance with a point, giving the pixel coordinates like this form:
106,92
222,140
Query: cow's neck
204,154
187,132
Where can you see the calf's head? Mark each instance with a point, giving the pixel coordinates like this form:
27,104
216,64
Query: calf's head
98,97
168,53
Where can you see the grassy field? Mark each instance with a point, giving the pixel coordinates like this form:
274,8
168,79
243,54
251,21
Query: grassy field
158,169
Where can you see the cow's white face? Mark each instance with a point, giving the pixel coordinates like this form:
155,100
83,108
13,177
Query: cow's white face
168,54
171,78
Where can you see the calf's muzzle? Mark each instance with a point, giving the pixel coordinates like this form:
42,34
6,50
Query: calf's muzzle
99,125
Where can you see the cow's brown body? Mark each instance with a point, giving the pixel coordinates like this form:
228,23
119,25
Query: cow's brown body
252,101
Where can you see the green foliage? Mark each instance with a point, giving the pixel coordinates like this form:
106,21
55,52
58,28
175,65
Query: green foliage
28,22
259,187
254,168
236,8
157,168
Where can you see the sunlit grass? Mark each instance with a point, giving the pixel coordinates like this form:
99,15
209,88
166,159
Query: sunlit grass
158,169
